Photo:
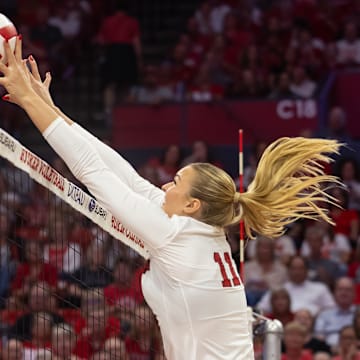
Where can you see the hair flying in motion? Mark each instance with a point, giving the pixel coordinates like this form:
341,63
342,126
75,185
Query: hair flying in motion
290,183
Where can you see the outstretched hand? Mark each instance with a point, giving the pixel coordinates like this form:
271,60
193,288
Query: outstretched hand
16,78
42,88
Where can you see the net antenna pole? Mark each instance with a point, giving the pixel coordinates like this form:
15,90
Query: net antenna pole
241,190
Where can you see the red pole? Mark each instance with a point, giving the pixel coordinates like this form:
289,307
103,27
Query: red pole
241,189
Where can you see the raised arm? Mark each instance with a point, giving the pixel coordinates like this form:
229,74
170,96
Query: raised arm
145,219
111,158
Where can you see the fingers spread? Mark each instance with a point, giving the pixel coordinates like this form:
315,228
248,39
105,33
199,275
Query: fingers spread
18,48
9,53
47,80
3,68
34,68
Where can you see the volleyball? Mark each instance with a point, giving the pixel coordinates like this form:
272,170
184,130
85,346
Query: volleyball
7,32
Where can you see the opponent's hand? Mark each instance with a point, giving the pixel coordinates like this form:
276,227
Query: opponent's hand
42,88
16,79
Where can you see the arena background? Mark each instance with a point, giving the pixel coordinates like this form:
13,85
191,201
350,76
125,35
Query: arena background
205,70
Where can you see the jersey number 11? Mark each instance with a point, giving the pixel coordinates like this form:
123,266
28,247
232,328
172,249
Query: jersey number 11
226,282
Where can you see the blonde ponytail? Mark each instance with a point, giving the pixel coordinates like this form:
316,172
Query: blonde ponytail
288,185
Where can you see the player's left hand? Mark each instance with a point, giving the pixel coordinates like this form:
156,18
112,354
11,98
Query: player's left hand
16,79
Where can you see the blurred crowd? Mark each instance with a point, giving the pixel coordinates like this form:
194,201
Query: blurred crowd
71,291
255,49
68,290
228,48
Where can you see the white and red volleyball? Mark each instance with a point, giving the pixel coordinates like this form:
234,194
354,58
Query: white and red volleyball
7,32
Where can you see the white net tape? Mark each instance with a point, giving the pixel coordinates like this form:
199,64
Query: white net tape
44,174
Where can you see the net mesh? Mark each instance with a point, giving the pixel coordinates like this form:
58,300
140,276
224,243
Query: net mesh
67,288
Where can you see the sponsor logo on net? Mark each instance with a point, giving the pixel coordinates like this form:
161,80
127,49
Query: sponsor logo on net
7,142
120,228
42,168
97,209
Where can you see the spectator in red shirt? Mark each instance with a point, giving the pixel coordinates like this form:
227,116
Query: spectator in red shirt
33,270
40,335
121,294
119,35
294,340
98,326
59,251
143,340
63,341
12,350
281,306
40,299
116,348
348,345
346,220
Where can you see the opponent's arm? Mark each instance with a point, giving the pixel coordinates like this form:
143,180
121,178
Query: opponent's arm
111,158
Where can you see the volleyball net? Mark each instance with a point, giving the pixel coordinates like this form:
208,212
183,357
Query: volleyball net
67,285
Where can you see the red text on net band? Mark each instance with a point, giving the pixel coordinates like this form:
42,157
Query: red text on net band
40,171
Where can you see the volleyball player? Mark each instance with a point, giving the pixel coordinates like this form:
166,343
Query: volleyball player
192,285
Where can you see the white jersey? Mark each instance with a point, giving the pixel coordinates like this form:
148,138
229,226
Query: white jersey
192,285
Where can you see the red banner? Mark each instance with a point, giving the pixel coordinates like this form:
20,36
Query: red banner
346,95
215,123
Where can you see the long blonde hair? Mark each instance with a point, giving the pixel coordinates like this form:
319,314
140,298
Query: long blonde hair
288,185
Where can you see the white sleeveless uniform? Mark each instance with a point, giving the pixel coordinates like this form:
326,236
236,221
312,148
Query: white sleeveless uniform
192,286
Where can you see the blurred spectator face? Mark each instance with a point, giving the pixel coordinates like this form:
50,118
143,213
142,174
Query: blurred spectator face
63,341
58,231
305,318
13,350
151,79
265,249
218,43
252,53
205,8
33,252
180,52
41,327
336,119
101,355
294,336
344,292
42,15
200,151
4,224
284,82
299,74
315,238
122,274
95,255
297,270
115,346
280,301
347,338
340,197
350,31
40,298
192,26
348,171
304,36
230,22
96,322
172,155
321,356
143,319
248,78
273,24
